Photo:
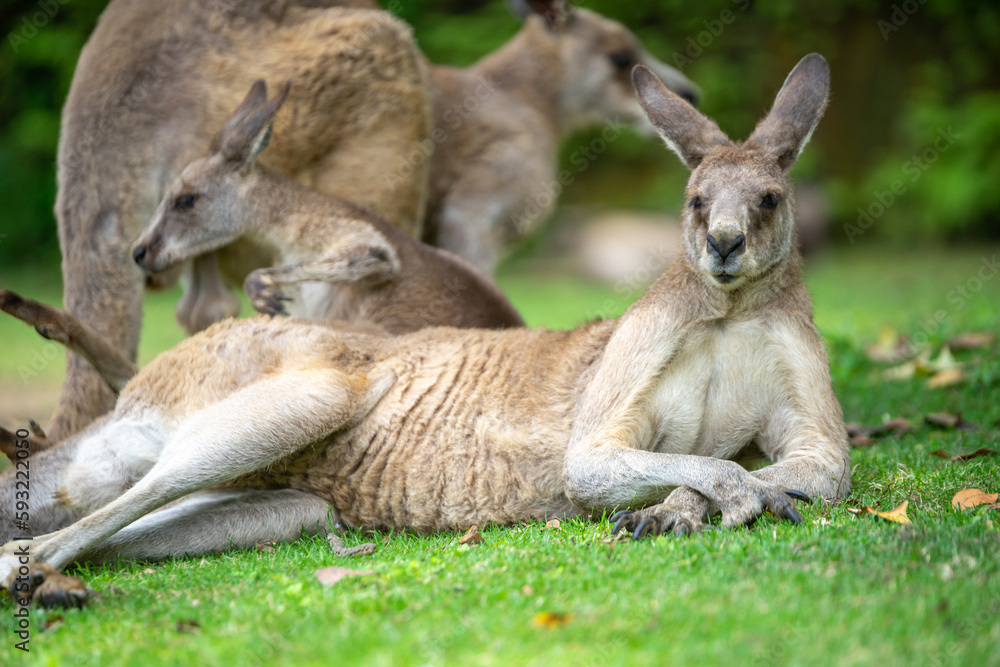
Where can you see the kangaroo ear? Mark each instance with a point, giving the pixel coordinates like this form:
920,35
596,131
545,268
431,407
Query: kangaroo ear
555,12
687,132
248,131
786,129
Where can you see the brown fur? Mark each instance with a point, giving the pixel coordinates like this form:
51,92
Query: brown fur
442,428
154,83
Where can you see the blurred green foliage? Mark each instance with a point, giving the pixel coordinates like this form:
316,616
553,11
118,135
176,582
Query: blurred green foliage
902,72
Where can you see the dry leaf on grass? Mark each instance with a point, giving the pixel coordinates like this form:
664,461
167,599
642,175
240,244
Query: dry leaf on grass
328,576
861,441
941,454
336,543
969,498
550,619
897,515
53,622
552,524
265,547
982,451
189,626
943,368
971,340
863,436
891,348
471,536
946,378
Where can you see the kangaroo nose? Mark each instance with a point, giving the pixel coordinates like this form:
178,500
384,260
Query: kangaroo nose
139,254
724,248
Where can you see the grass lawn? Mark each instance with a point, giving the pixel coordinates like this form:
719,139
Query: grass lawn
840,589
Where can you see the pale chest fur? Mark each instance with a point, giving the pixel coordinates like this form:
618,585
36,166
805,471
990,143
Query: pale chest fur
721,390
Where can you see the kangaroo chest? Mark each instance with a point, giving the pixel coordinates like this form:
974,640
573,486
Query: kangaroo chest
718,392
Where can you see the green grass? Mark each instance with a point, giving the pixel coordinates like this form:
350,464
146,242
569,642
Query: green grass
839,589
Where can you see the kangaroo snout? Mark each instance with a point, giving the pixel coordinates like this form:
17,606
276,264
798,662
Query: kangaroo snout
139,254
724,247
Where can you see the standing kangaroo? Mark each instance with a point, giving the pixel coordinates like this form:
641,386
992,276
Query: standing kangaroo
499,123
340,261
154,83
263,427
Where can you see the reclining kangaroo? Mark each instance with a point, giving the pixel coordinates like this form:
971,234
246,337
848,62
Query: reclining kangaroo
155,82
498,125
255,429
369,269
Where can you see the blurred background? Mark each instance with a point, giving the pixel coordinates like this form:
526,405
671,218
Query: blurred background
902,73
915,105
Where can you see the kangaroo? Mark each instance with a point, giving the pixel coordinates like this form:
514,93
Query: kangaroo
269,426
369,269
154,83
494,172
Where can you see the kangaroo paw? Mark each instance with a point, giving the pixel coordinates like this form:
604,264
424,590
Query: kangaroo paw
681,513
264,295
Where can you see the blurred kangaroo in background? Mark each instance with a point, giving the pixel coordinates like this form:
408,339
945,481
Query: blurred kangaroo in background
155,82
498,124
262,428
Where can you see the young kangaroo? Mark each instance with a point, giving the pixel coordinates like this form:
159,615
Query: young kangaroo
262,427
499,123
153,84
338,260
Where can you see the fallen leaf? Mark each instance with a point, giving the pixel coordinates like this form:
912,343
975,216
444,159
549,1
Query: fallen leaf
968,498
897,515
971,340
527,590
891,348
941,454
550,619
896,426
148,570
53,622
189,626
336,543
946,378
923,365
861,441
266,547
328,576
942,419
552,524
982,451
471,536
867,509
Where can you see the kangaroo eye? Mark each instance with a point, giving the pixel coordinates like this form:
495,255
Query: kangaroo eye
185,202
769,201
696,203
622,60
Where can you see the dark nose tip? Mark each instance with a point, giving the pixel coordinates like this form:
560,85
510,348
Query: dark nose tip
725,248
689,97
139,254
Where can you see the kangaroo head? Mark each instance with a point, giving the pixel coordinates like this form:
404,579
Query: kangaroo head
205,207
595,59
739,217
